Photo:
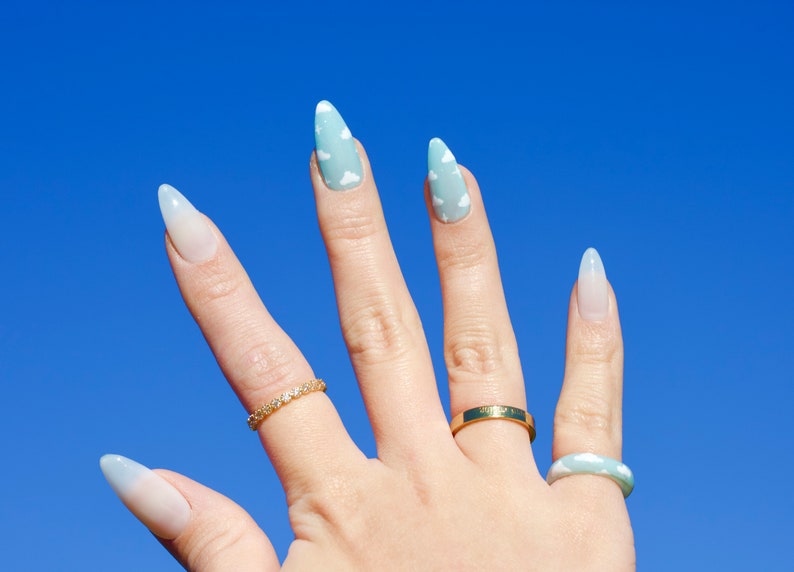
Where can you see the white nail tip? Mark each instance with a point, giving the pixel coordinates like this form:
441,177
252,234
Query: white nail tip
592,294
152,499
188,230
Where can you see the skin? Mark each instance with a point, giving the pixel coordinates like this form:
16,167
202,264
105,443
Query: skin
430,501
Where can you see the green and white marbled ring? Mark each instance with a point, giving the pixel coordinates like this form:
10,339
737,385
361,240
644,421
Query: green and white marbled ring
592,464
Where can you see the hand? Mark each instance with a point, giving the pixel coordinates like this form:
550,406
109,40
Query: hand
430,501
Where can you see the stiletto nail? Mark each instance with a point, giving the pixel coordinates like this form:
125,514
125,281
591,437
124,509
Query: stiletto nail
188,230
592,293
152,499
451,201
336,150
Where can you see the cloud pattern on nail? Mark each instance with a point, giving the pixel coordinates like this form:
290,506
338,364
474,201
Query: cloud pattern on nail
336,150
450,197
349,178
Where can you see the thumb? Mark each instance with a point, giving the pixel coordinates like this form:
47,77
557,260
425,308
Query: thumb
202,529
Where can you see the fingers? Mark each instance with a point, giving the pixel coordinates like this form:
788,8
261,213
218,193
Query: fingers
204,530
379,322
588,416
479,345
259,360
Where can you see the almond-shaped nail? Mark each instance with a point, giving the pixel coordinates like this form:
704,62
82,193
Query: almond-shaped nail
152,499
448,192
188,230
336,150
592,292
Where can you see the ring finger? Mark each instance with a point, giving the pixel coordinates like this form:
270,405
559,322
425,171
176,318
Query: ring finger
479,344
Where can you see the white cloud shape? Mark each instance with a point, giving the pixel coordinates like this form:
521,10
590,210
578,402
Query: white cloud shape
464,201
349,177
345,134
623,470
457,172
448,157
437,201
431,175
559,469
322,155
588,458
444,217
323,107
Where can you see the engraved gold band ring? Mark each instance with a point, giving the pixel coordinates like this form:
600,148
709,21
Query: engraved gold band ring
256,418
486,412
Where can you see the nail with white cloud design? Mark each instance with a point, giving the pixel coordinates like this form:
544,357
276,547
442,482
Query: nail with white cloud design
450,197
592,464
337,155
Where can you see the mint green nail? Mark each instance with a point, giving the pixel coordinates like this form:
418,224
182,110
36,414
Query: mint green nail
336,149
451,201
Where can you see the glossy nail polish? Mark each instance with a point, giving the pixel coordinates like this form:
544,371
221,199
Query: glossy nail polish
188,230
592,293
336,150
152,499
451,201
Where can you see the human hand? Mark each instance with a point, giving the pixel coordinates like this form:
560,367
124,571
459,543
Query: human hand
430,501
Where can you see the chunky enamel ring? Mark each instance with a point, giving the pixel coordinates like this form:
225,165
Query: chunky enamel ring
256,418
591,464
486,412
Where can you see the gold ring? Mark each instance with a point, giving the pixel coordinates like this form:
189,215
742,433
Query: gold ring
494,412
256,418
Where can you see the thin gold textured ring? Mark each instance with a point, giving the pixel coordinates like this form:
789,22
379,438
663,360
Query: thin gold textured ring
486,412
256,418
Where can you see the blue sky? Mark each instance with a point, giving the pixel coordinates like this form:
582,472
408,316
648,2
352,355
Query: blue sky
661,134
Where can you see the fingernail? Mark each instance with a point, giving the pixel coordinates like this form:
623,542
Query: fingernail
336,150
592,294
451,201
152,499
188,230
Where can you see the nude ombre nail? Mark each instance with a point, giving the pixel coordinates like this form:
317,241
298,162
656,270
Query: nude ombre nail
188,230
592,294
152,499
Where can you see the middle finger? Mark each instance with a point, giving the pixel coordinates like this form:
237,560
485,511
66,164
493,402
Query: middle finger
379,321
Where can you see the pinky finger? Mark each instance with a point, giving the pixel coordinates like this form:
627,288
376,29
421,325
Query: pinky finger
202,529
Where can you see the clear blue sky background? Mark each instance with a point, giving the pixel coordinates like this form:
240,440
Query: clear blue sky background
662,134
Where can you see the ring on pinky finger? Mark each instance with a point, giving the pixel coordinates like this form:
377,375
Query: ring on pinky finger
592,464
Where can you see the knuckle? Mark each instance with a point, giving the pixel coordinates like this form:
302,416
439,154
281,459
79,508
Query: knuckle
209,547
473,352
591,412
263,367
351,226
597,346
464,255
334,504
375,333
216,288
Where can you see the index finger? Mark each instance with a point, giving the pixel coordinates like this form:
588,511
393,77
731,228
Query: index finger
257,357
